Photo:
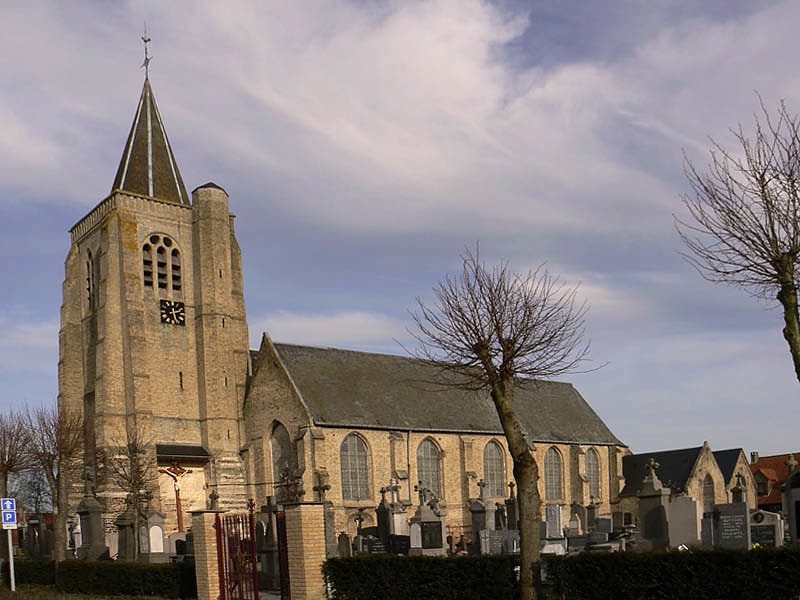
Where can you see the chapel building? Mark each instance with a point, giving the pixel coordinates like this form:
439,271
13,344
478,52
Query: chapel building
153,346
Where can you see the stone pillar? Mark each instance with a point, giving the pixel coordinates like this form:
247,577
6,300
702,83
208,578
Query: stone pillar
93,545
305,542
204,537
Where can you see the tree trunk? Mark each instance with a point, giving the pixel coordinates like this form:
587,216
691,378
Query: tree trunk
60,507
526,474
787,296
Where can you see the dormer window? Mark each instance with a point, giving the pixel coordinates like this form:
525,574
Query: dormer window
166,272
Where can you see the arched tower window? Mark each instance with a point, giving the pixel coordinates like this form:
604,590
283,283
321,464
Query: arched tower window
708,494
353,457
553,475
429,466
494,469
593,472
166,274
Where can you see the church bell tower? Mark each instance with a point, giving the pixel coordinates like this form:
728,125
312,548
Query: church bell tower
153,339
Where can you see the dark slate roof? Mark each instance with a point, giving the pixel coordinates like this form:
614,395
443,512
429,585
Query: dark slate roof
210,184
148,165
357,389
674,468
726,460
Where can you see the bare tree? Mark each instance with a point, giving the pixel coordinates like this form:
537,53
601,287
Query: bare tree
14,458
745,215
56,445
498,330
131,465
14,441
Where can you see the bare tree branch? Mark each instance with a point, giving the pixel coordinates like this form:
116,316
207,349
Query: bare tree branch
744,215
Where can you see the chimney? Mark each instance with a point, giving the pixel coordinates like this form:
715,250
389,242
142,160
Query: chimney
753,457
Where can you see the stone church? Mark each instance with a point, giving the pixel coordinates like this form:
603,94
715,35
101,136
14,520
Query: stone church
154,346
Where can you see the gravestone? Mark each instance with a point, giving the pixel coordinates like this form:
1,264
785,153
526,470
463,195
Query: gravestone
766,529
427,528
731,526
345,550
552,519
578,512
576,543
512,513
483,519
684,522
653,502
603,524
390,514
399,544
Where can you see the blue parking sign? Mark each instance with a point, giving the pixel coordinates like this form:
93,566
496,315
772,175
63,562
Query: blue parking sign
9,516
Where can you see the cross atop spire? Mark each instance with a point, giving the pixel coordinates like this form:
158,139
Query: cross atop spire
148,166
147,59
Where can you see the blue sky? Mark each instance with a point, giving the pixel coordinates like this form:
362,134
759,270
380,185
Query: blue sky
364,144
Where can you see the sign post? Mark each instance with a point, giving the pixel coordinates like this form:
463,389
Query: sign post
8,513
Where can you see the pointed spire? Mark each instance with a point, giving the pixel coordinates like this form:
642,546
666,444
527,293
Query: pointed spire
148,165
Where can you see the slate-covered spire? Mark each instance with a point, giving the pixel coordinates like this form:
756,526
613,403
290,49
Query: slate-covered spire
148,165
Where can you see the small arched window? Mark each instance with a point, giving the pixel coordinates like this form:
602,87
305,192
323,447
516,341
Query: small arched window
593,473
353,458
494,470
553,475
429,466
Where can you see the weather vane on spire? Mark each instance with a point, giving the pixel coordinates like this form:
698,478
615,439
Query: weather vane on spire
146,63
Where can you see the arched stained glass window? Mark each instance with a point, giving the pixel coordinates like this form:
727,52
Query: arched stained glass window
593,472
429,466
494,470
353,457
553,475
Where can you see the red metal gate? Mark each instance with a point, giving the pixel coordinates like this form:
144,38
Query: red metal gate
283,554
236,555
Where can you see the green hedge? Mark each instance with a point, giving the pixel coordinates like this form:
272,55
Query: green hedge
391,577
110,578
772,574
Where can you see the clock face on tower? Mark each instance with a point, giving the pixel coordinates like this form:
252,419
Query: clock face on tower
173,313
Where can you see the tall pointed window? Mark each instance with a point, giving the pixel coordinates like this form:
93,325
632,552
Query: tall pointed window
553,475
494,470
593,472
708,494
166,273
429,466
92,280
353,457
